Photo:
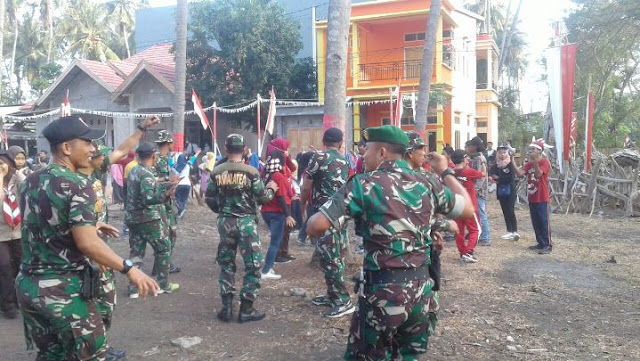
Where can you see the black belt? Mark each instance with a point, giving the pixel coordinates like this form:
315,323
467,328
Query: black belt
400,275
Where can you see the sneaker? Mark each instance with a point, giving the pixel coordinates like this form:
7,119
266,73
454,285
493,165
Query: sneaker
271,275
114,354
484,243
290,257
360,249
171,287
545,250
507,237
468,258
536,247
173,268
181,213
281,260
516,236
340,310
10,313
321,300
133,292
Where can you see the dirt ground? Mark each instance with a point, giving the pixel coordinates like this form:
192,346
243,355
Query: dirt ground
578,303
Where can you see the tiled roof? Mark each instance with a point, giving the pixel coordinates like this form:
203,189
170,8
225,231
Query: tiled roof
104,72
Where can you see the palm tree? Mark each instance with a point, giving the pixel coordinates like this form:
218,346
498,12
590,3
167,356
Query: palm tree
12,11
86,31
46,16
123,14
2,15
31,52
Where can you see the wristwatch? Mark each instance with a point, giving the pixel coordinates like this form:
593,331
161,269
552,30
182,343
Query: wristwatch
447,172
141,128
127,264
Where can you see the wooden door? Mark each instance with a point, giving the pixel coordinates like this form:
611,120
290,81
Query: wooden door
302,139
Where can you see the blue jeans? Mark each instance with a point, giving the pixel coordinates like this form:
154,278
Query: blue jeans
485,236
540,222
275,222
182,195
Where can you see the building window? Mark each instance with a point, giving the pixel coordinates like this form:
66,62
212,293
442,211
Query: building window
447,33
448,55
385,121
456,120
482,124
457,139
413,37
432,119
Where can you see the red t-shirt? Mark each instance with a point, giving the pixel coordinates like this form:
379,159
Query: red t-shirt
273,206
467,177
360,165
538,188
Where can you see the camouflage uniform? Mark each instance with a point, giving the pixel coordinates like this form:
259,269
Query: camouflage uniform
329,171
144,216
397,205
61,324
162,171
233,192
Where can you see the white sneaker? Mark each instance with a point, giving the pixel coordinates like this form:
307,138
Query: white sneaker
469,258
515,235
508,236
271,275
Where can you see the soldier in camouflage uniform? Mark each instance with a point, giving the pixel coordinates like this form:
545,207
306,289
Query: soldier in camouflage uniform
146,198
234,190
397,206
59,236
327,172
162,171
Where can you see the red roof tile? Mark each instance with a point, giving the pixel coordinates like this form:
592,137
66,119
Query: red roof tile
103,71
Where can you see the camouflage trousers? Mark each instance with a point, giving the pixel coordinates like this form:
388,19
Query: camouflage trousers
332,248
154,233
172,223
434,309
394,324
239,232
58,321
106,301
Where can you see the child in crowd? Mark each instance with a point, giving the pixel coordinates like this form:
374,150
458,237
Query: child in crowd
467,177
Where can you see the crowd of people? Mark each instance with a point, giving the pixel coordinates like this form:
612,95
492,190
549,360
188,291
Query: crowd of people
404,201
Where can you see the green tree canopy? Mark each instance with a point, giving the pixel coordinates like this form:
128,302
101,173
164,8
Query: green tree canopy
241,48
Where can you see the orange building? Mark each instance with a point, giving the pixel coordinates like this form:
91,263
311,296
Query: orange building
386,43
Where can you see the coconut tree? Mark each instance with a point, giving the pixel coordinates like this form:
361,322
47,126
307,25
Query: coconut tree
31,52
86,32
123,14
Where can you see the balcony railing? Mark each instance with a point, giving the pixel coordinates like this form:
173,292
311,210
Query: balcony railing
391,70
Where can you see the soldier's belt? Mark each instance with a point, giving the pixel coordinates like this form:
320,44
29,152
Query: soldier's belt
396,275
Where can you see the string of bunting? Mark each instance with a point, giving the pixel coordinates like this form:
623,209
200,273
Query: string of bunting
241,109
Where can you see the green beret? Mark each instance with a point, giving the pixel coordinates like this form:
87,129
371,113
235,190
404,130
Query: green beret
386,134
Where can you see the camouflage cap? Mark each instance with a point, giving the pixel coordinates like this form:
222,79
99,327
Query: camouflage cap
415,140
234,140
386,134
163,136
102,150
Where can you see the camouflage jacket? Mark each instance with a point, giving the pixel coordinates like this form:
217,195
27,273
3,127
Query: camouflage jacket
397,206
161,169
145,196
53,200
329,171
234,190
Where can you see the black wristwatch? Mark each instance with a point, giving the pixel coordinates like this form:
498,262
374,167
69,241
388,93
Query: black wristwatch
447,172
127,264
141,128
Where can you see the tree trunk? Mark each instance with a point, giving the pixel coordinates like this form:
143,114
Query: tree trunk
427,66
335,89
126,41
50,29
512,29
181,75
3,10
15,46
504,32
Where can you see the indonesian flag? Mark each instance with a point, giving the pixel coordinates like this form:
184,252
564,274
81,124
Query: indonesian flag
65,107
197,107
561,69
271,117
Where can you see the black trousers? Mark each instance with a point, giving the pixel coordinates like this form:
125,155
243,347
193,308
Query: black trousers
508,205
10,255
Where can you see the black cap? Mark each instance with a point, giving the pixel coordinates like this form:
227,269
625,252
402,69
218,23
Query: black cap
145,149
458,156
69,128
6,156
332,135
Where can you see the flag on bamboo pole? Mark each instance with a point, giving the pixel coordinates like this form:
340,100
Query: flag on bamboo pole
271,116
197,107
399,108
65,107
588,134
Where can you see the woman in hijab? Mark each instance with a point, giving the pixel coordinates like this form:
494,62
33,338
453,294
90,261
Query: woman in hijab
505,173
10,249
208,162
184,185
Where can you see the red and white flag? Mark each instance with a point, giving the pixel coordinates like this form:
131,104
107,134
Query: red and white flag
399,108
271,117
197,107
65,107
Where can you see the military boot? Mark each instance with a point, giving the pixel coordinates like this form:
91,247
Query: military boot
248,313
226,313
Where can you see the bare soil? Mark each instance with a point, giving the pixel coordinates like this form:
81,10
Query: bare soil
574,304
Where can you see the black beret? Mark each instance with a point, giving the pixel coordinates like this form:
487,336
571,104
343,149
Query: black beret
69,128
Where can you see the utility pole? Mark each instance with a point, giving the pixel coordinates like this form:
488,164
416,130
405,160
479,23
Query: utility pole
336,64
181,76
3,10
426,72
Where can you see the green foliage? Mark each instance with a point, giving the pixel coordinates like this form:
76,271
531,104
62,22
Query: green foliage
241,48
607,34
47,76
